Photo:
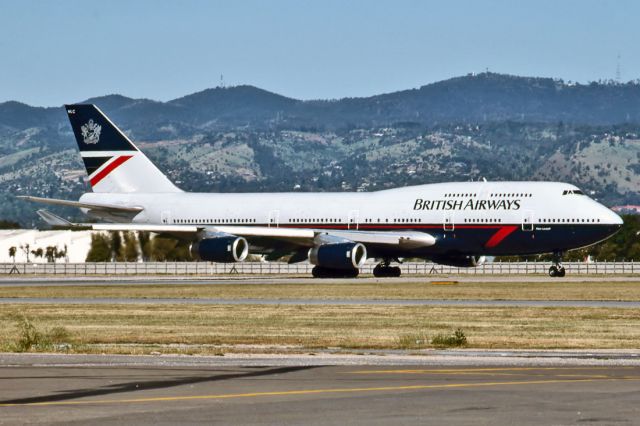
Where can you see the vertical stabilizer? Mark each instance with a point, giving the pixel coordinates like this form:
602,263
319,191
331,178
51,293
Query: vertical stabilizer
113,162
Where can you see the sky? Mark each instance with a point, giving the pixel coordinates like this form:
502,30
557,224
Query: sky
55,52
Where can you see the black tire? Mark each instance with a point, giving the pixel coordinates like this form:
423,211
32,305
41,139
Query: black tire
561,272
553,271
386,271
378,271
317,272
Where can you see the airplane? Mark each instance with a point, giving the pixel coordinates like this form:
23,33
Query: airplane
457,224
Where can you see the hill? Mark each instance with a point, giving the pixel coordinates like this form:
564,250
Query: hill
247,139
481,98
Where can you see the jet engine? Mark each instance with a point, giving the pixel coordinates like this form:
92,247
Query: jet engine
347,255
460,261
223,248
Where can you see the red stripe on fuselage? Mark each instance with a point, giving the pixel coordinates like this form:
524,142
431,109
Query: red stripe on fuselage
108,169
407,226
502,233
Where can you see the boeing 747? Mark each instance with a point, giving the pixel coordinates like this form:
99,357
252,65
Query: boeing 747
456,224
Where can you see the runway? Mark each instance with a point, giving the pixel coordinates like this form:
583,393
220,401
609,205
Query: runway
321,302
610,301
46,389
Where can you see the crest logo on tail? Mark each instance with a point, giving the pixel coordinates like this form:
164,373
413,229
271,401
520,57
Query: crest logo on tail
91,132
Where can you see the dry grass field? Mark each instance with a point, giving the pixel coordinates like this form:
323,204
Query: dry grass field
520,290
220,328
207,329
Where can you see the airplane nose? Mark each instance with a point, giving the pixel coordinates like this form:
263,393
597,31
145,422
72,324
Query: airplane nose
614,219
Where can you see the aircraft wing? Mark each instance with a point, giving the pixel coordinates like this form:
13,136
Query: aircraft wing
299,237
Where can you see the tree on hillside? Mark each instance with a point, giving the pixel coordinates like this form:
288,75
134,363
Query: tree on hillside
37,252
116,247
50,253
100,250
63,253
145,245
12,253
166,249
7,224
25,249
130,252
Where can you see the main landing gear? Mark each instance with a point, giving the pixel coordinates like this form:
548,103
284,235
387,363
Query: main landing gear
384,270
557,270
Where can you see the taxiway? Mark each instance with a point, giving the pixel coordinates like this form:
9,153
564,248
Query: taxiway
57,389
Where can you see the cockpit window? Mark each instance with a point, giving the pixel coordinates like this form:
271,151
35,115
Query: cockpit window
572,191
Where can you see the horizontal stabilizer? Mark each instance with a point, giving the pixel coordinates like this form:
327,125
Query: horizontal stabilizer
81,205
52,219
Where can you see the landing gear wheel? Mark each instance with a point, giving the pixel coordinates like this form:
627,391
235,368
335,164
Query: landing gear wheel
382,271
557,270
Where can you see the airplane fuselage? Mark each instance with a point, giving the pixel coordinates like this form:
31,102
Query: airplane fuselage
467,218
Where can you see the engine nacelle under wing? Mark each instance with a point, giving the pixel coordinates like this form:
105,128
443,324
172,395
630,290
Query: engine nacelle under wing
223,248
347,255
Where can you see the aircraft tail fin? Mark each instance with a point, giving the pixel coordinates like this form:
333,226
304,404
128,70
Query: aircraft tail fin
112,161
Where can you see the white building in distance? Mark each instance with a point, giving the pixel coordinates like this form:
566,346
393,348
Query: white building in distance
77,243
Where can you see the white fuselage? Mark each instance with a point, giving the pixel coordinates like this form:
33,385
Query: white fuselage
467,218
446,204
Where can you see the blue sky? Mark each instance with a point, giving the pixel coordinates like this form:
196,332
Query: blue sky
64,51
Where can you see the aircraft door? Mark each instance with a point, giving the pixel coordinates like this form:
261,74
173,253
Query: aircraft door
165,217
353,220
527,220
274,219
448,222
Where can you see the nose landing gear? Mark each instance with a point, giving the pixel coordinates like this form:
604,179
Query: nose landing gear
557,270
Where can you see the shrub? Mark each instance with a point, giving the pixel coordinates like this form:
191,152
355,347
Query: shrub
412,341
58,335
29,336
456,339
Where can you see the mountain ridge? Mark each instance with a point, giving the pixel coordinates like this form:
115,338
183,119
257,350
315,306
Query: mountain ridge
243,138
474,98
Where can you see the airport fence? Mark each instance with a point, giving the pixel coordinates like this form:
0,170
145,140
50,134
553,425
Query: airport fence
275,268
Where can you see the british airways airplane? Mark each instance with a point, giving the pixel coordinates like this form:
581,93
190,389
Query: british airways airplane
454,224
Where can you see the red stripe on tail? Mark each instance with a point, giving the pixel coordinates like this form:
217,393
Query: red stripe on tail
502,233
108,169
